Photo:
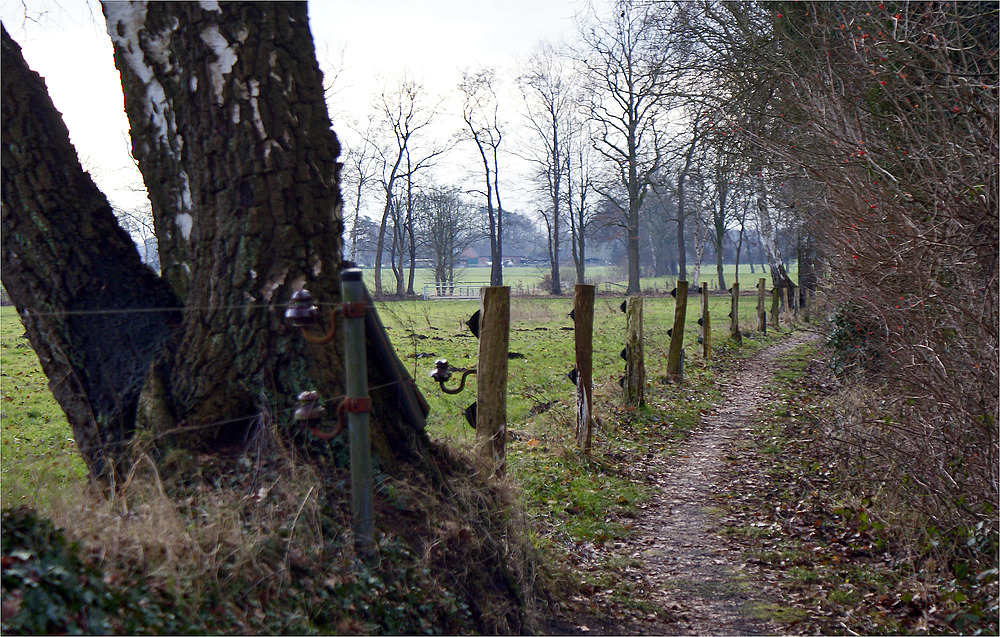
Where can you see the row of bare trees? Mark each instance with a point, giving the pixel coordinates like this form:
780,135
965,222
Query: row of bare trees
622,138
875,124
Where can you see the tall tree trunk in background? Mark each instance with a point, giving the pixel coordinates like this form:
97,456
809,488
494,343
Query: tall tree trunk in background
496,272
681,249
806,252
635,196
769,239
410,233
74,274
398,245
739,249
577,219
719,236
231,133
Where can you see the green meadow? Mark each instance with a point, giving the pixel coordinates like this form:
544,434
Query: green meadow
608,279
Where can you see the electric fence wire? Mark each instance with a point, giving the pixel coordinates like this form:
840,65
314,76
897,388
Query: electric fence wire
231,421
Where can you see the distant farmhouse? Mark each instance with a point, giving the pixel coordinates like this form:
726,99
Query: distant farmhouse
471,258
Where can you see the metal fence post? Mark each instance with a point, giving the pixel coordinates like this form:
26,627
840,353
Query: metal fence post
356,364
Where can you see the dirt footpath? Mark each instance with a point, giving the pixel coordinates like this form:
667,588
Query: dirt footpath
686,569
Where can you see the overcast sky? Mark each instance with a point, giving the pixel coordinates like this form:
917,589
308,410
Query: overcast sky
434,40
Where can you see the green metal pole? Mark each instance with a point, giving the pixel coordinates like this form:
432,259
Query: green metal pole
356,365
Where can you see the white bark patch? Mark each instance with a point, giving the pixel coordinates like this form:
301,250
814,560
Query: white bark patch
125,21
210,5
768,233
267,290
184,222
253,86
184,196
193,83
317,265
225,58
270,145
157,46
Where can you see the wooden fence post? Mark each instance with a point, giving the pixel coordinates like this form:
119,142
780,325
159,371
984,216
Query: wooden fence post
635,363
787,290
734,314
761,305
583,326
775,306
706,324
677,331
356,367
491,378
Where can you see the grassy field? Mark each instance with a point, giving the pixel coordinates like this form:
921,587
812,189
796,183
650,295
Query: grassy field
37,451
541,343
527,280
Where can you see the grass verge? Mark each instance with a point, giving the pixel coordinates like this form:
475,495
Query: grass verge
826,544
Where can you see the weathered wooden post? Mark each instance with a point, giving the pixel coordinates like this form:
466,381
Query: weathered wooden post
788,304
635,362
706,324
734,314
674,359
583,325
775,306
491,378
356,364
761,305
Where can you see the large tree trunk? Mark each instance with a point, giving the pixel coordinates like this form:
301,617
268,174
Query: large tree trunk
231,133
719,237
632,234
241,166
556,202
74,274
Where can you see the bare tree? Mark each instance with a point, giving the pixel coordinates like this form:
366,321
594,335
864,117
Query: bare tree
403,114
447,227
361,167
890,110
481,112
632,66
579,186
548,98
686,163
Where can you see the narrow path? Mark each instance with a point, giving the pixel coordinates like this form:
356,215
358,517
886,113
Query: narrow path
687,569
